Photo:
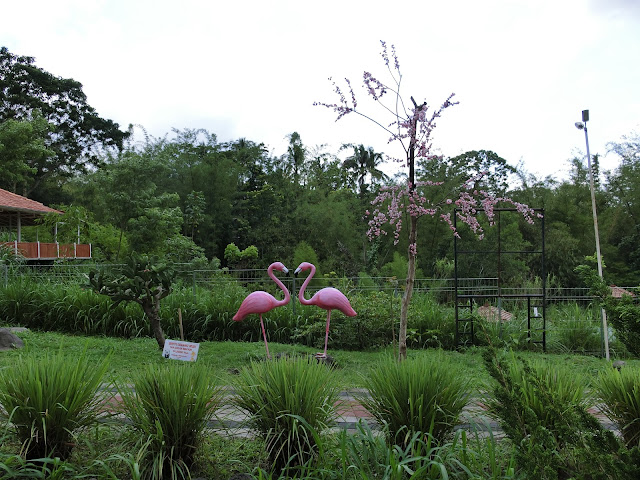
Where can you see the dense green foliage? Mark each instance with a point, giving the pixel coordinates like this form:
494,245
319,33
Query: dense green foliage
190,191
51,305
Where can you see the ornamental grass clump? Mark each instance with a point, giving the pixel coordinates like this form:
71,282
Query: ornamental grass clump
620,394
423,394
48,400
170,406
290,401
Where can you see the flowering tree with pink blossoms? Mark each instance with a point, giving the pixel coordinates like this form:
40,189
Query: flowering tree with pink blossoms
411,126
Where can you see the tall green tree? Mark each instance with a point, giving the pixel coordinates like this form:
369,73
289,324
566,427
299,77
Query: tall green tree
294,160
22,149
77,134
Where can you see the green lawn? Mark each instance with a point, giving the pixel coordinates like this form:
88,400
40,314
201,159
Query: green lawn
225,357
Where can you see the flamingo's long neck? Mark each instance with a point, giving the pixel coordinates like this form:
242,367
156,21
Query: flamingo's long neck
303,300
287,296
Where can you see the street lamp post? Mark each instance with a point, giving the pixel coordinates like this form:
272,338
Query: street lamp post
583,126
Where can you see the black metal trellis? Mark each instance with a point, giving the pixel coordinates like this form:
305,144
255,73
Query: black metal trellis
466,296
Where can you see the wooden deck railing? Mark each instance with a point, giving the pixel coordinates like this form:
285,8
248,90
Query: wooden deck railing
49,251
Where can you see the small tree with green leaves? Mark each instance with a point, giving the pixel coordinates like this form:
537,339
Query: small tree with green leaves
237,258
143,280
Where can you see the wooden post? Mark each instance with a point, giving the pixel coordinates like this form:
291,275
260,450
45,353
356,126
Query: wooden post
180,324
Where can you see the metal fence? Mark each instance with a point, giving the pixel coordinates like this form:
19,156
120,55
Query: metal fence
254,279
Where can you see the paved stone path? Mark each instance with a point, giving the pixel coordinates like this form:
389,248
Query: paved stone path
232,422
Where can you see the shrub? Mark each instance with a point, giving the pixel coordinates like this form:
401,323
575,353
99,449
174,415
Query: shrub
371,328
620,393
535,378
543,412
417,395
170,406
289,401
49,399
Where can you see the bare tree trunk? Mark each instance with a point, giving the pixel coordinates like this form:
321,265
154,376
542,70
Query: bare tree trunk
152,314
408,291
413,234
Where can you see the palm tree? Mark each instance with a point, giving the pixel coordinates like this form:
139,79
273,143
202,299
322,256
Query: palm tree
362,164
294,160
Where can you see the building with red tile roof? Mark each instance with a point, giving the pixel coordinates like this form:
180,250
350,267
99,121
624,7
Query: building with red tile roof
17,211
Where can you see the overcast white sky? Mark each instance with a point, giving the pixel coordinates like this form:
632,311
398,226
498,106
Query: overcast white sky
522,70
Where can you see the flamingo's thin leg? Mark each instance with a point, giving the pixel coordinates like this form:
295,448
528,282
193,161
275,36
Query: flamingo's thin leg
326,335
264,334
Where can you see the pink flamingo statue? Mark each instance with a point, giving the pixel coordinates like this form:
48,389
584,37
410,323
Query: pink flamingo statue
262,302
327,298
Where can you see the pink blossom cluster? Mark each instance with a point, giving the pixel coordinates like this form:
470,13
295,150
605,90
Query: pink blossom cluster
385,55
394,202
374,87
343,108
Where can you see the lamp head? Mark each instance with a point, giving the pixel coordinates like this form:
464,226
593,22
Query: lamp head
580,125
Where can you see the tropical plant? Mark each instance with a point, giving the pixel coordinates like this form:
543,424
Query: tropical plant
619,391
421,395
289,401
363,163
48,400
169,407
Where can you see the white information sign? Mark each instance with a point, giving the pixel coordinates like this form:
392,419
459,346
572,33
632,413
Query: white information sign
179,350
